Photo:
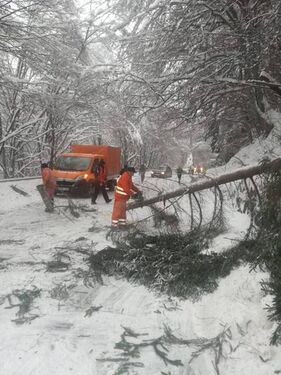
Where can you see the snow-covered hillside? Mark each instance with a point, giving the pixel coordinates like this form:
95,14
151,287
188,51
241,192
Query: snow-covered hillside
56,318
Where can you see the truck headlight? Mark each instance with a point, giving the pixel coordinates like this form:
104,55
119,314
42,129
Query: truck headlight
80,178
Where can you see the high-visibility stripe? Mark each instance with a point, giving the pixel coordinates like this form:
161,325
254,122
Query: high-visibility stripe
122,220
119,188
120,191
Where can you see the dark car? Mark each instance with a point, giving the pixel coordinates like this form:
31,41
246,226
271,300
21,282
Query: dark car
163,172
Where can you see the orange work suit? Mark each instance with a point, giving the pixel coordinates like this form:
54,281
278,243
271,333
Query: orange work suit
49,182
123,191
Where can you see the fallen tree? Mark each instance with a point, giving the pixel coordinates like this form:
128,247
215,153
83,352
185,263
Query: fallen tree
241,174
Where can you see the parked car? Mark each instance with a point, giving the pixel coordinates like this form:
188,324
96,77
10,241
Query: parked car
163,172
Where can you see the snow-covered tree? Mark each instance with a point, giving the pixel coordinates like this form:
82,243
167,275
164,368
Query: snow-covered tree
198,62
49,91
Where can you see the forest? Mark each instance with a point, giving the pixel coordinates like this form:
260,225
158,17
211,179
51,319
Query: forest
163,74
155,78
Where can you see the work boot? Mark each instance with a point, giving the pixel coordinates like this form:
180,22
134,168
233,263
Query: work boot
114,225
109,200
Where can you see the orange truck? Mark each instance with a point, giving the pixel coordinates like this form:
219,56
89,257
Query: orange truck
74,170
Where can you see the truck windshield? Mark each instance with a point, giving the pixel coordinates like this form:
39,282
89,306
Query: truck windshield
72,163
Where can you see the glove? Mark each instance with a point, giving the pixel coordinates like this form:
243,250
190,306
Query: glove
138,196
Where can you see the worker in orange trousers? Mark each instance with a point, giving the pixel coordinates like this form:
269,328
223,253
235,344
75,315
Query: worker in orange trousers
123,191
49,182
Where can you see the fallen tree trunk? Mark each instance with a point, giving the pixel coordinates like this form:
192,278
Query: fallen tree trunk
247,172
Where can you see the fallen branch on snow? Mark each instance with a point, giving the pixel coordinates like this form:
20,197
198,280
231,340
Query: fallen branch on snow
18,190
267,167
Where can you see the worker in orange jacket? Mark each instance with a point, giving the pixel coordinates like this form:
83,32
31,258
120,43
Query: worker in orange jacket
49,181
123,191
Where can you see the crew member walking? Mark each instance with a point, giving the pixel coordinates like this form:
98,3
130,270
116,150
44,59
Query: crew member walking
99,184
179,174
123,191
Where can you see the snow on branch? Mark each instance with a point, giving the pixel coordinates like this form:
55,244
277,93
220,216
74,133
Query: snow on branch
248,172
250,82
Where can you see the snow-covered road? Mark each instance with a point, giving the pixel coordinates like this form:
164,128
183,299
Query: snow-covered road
61,321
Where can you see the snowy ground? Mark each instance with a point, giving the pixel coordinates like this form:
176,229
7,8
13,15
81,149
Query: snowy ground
60,323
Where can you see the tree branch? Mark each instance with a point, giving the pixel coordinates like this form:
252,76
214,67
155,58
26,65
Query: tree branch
272,166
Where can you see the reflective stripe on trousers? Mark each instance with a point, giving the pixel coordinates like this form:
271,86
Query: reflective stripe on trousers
119,212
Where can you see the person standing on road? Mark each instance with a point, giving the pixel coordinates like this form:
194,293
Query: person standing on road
142,171
95,185
49,181
123,191
100,179
179,174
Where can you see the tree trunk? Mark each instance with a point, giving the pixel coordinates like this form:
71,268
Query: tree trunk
248,172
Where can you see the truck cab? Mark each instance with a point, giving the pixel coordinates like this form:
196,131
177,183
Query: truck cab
74,170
